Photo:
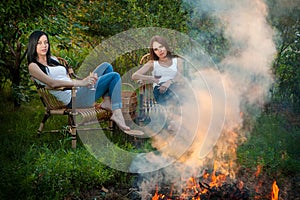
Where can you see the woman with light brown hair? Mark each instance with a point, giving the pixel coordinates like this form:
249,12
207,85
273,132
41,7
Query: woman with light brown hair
165,67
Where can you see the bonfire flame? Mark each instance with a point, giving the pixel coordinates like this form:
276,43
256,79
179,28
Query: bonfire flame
217,180
275,191
194,188
259,168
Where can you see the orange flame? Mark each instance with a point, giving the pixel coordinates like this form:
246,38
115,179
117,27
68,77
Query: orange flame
259,167
217,180
275,191
156,195
193,188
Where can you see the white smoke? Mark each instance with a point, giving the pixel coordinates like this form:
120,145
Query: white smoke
245,77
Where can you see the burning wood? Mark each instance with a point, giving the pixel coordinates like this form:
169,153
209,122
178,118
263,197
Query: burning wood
209,186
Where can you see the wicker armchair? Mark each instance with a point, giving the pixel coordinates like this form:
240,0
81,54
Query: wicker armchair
55,107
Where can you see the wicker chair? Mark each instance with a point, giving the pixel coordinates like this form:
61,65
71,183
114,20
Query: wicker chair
55,107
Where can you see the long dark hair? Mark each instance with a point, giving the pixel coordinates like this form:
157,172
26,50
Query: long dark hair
163,42
32,54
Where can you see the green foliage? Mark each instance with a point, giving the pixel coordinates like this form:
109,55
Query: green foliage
208,31
288,77
107,18
285,20
55,174
61,173
46,167
18,20
271,145
74,56
167,14
75,27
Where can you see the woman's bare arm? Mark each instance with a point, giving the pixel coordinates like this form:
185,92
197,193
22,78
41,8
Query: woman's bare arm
140,73
38,74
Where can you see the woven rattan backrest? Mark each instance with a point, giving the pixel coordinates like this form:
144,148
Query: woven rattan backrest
147,89
48,99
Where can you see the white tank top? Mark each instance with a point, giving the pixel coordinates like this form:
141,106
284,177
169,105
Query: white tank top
166,73
60,73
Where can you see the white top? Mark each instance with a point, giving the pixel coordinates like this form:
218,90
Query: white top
166,73
60,73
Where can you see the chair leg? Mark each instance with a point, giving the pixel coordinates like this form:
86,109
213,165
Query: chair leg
42,124
73,130
142,114
73,135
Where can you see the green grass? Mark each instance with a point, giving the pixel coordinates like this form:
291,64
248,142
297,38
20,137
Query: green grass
274,145
46,167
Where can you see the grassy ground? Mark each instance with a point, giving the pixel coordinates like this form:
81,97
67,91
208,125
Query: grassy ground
47,167
271,153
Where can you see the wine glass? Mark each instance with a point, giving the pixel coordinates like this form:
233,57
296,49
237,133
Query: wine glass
157,75
93,85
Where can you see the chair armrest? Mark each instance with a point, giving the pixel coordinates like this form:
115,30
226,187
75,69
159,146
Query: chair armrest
143,82
72,74
69,68
59,88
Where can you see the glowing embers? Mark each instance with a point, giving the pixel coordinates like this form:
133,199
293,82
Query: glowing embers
207,187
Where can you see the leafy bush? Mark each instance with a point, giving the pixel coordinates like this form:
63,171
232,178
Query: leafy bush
271,145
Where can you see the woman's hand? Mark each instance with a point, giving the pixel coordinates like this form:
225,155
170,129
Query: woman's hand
164,87
152,79
87,81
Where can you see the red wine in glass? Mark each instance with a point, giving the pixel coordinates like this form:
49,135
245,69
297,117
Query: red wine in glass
157,76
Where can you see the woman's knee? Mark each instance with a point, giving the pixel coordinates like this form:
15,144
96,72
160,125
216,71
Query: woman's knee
116,75
109,67
104,68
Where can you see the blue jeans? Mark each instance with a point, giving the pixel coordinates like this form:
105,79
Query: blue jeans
167,97
108,84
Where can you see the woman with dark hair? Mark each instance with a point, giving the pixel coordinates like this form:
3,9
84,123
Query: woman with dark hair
46,69
165,67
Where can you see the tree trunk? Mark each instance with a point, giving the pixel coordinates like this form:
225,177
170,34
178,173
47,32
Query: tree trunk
16,77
